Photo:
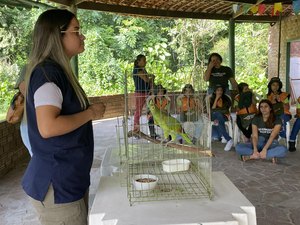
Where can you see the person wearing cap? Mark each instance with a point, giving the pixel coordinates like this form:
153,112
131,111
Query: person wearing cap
220,104
188,106
218,74
245,105
280,101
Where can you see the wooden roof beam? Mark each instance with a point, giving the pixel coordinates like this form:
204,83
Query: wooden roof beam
167,13
253,2
76,2
24,4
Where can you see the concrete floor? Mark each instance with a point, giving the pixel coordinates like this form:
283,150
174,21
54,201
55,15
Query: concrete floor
273,189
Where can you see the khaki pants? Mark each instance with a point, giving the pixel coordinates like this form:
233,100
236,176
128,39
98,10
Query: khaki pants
73,213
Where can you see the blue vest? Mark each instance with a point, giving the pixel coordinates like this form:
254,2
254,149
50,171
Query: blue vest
65,160
139,83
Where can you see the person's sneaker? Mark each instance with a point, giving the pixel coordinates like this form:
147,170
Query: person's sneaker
229,145
223,140
292,146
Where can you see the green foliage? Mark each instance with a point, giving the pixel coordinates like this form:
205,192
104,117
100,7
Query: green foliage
176,50
15,31
251,54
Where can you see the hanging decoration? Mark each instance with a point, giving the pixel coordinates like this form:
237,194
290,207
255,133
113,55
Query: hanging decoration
254,9
296,6
235,7
277,9
246,8
261,9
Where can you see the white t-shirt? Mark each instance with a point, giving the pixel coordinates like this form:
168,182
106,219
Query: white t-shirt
48,94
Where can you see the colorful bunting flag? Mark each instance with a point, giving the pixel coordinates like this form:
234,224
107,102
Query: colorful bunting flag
235,7
254,9
261,9
246,8
296,6
277,8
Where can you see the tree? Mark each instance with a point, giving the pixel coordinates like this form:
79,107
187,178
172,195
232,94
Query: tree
176,50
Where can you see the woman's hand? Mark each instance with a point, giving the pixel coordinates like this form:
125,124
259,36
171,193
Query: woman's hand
97,110
276,98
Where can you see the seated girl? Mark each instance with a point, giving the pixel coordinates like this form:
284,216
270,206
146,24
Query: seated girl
280,101
162,102
189,108
220,105
265,130
245,105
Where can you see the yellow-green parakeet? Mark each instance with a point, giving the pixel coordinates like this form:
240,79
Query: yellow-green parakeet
167,123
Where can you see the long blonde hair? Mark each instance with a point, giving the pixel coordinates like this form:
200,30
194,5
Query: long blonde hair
47,44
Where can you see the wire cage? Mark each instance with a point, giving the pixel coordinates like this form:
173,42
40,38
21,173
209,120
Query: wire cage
174,162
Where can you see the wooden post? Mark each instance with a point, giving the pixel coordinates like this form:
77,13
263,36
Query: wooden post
279,47
232,45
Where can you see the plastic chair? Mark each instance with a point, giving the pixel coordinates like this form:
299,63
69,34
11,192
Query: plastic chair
236,134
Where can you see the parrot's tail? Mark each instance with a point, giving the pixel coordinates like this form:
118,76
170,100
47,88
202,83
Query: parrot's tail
186,138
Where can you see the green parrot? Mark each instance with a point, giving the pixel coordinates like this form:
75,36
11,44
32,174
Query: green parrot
167,123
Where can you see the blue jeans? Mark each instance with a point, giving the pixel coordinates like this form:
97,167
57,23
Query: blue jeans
295,130
275,150
215,133
285,118
221,127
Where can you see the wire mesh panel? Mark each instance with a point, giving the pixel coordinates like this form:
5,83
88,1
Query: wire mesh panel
164,150
178,174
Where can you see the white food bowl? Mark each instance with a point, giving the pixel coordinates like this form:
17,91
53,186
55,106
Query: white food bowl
143,182
176,165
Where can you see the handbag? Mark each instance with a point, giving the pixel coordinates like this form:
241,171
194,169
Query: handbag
16,109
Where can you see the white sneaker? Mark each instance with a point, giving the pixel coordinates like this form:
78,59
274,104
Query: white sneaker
223,140
229,145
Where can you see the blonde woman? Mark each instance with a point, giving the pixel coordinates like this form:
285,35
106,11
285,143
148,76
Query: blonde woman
59,121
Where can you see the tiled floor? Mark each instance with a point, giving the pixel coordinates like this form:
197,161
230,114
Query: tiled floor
273,189
15,208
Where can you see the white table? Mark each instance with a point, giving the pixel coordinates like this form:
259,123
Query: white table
229,206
